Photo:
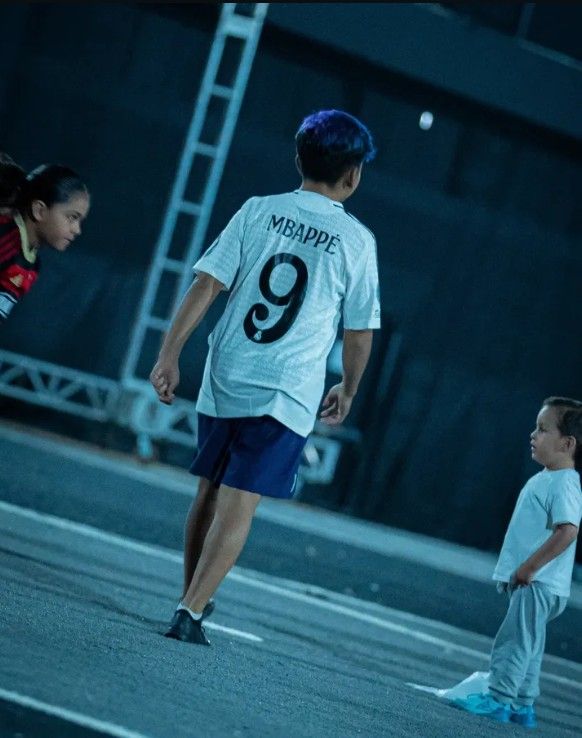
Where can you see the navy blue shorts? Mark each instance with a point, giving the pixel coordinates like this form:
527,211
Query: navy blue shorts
258,455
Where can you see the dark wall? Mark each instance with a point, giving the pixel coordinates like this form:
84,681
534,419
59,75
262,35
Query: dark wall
107,89
430,43
477,221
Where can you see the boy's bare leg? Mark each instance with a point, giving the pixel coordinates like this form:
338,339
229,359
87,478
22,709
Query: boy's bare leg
198,522
223,543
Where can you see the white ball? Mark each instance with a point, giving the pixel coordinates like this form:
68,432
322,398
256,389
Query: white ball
426,120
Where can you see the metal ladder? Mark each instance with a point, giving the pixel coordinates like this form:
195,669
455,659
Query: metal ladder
236,34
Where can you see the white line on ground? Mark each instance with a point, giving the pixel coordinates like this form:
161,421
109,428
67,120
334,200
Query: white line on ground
238,576
90,532
233,631
117,731
384,540
161,476
128,543
362,616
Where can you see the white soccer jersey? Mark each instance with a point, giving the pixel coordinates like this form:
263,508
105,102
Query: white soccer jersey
548,499
295,263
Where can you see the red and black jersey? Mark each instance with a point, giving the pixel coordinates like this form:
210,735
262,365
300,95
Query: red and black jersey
19,265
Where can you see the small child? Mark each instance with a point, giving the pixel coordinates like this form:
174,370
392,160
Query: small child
535,565
45,207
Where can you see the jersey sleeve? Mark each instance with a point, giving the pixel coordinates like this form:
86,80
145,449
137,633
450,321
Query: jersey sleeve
11,282
361,308
223,257
566,503
7,302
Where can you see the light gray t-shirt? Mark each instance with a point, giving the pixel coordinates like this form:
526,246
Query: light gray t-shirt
294,263
547,499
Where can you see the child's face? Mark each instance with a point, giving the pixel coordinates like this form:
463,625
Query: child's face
548,446
59,225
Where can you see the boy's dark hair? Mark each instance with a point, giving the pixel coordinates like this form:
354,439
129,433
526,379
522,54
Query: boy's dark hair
569,422
331,141
12,177
51,183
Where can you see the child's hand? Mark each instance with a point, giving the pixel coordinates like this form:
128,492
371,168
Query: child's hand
522,576
337,405
165,377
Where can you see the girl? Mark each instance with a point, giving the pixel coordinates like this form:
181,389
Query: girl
46,207
535,565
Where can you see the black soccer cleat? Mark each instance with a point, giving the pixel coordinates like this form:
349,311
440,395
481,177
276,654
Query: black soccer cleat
184,628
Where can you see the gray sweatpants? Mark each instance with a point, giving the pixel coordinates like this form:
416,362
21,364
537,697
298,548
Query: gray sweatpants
518,648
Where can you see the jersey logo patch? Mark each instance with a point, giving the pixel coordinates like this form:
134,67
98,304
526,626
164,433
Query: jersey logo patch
19,278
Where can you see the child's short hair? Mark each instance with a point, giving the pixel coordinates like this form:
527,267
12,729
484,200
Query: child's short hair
569,414
331,141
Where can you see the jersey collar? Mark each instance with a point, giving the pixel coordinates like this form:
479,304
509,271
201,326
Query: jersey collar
317,195
28,251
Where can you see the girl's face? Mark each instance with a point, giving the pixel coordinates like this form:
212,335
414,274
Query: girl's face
548,446
59,225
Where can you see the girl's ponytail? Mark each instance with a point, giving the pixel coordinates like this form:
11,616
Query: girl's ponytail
12,179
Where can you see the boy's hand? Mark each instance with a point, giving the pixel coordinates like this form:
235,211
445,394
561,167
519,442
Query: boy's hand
522,576
337,405
165,377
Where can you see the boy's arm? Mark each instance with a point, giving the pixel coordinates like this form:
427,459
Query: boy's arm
165,375
355,355
558,542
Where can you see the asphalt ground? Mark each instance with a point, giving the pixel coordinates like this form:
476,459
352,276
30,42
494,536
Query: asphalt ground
82,620
313,634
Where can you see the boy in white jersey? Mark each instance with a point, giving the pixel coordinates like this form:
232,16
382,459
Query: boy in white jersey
295,264
535,565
